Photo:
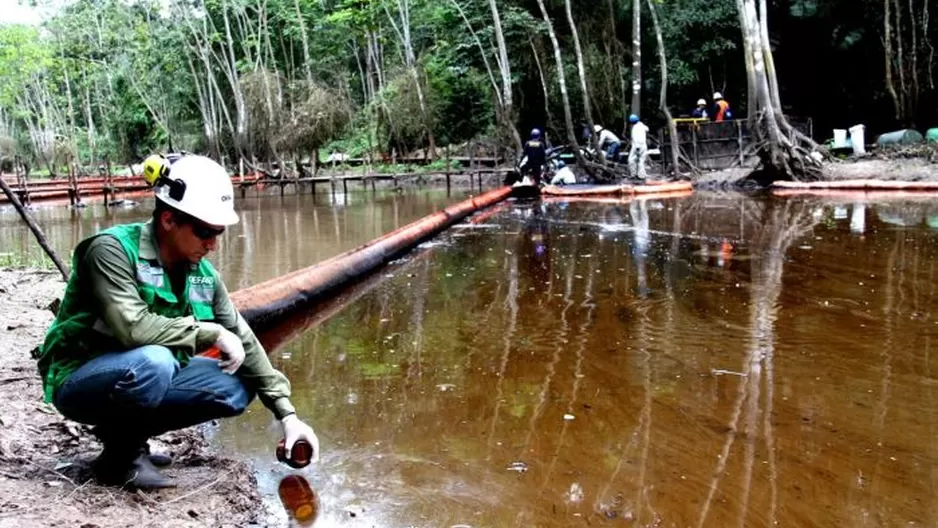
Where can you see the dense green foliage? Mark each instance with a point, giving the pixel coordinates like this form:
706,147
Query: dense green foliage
271,80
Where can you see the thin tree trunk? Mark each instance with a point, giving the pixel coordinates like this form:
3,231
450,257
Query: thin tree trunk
887,43
504,67
636,107
612,47
900,63
89,118
663,64
562,82
371,67
307,68
540,73
234,78
913,100
582,73
485,59
403,33
366,94
928,42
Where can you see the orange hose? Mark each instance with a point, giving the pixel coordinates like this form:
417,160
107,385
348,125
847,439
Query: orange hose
264,302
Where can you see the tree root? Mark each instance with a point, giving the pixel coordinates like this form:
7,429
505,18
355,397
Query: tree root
609,172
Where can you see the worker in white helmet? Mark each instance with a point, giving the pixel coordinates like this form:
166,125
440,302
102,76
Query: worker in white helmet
701,111
608,142
141,304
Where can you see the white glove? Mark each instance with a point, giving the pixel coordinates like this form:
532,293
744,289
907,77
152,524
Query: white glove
294,429
232,351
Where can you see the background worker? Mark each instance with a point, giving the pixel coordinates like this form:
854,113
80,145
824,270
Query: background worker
721,108
639,150
564,175
701,111
140,303
608,142
535,154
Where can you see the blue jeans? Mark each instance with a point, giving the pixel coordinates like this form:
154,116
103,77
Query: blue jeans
143,392
612,151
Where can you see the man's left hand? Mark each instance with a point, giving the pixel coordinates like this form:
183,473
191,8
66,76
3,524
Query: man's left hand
294,429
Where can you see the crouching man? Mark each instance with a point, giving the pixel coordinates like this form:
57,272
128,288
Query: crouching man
140,304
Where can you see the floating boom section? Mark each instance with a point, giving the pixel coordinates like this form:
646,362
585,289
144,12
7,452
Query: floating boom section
263,303
858,185
618,190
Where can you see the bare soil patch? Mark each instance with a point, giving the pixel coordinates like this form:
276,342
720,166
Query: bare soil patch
874,168
45,478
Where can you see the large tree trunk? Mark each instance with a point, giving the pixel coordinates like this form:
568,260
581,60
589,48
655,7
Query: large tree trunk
663,64
783,151
636,57
562,82
769,60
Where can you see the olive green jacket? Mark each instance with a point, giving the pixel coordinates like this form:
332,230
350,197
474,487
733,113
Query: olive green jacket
106,280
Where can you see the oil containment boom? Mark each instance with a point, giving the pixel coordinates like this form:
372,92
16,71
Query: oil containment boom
264,303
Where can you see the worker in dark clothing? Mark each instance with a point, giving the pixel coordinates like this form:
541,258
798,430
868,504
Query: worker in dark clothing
721,108
701,111
535,154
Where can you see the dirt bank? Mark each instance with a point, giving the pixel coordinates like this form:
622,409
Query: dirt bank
44,459
901,169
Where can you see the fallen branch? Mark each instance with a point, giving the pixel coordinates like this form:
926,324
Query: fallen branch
40,237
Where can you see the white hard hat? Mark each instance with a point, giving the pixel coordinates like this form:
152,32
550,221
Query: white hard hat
597,128
206,192
701,102
717,95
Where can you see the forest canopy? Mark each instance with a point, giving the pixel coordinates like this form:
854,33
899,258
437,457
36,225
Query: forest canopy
274,80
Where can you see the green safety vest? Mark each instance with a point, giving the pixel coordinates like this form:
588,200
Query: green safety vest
77,335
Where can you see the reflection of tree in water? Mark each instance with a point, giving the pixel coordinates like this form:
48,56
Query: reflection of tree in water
511,306
783,224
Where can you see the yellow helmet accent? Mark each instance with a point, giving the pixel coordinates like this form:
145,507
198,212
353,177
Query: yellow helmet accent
156,166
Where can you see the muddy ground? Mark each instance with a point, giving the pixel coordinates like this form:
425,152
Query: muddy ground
44,459
897,169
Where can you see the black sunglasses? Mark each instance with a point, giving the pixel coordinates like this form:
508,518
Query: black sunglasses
199,228
206,232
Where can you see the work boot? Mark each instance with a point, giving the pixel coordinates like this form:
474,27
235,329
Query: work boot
157,459
129,468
